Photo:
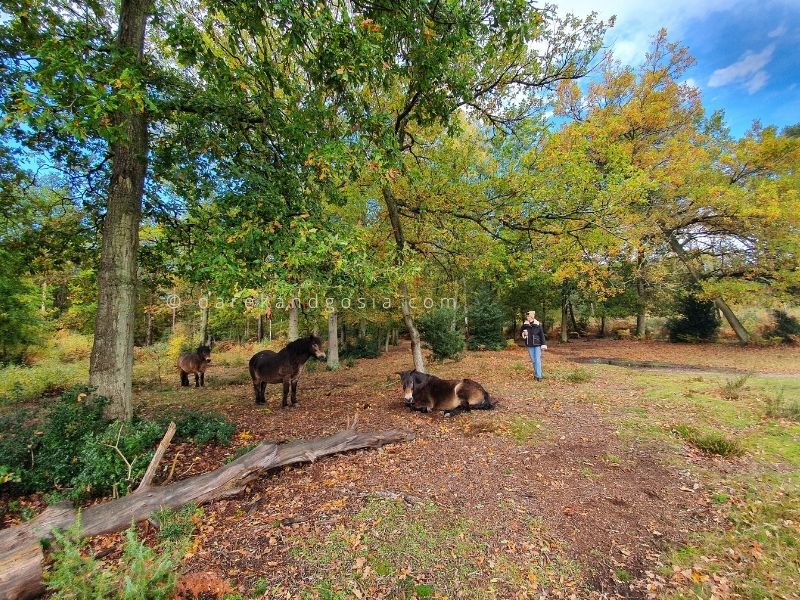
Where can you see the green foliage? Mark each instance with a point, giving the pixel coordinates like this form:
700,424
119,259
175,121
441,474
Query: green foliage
20,323
439,332
711,442
486,318
732,388
698,320
786,327
176,525
366,347
202,428
578,375
73,448
779,408
143,573
103,471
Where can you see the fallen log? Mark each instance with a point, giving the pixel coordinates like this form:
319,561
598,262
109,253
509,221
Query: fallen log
21,557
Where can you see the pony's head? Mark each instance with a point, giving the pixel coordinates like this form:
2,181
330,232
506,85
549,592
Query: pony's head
204,352
315,347
409,380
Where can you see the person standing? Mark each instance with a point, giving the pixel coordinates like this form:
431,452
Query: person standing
533,335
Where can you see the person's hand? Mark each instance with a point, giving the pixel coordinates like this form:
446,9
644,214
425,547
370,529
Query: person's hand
544,346
525,334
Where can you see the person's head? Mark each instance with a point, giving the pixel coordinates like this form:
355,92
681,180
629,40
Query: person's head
530,315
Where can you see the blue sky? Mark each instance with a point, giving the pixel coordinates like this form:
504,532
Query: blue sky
747,51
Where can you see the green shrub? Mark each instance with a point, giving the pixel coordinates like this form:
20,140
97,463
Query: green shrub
143,572
176,525
579,375
711,442
486,318
440,334
366,347
732,388
778,407
103,470
202,428
698,320
71,448
786,327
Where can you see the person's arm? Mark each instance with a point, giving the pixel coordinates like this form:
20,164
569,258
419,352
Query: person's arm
523,331
544,339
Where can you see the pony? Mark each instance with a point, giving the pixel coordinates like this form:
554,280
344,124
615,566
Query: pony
428,393
194,362
284,367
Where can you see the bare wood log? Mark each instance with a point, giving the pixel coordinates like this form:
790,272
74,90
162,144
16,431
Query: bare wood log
20,550
162,448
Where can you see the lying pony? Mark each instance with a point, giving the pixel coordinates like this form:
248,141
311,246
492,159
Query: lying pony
428,393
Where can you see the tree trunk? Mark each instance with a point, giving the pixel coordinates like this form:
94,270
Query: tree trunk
21,557
362,329
733,321
260,332
564,319
204,324
293,334
149,336
333,340
388,338
111,363
641,292
572,319
602,326
408,319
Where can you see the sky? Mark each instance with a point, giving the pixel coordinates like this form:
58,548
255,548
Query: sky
747,51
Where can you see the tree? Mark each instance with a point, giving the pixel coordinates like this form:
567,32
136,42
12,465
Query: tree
476,56
217,92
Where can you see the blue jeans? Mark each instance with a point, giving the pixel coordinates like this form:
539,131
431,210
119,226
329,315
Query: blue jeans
536,359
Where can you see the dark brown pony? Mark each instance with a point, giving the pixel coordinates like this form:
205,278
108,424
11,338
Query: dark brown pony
283,367
428,393
194,362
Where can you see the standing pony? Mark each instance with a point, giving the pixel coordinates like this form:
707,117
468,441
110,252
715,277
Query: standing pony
283,367
194,362
428,393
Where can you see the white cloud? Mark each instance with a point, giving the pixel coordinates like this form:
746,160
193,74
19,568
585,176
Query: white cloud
778,31
757,82
748,70
639,20
691,83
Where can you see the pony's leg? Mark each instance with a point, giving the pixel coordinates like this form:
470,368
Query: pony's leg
294,391
257,388
184,379
196,380
455,411
285,393
263,387
202,379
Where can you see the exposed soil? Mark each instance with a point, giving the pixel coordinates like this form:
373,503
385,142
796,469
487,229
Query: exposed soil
603,500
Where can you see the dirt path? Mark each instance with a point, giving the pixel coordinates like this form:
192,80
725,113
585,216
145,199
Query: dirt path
544,476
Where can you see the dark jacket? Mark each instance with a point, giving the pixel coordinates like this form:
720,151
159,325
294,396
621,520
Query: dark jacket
535,334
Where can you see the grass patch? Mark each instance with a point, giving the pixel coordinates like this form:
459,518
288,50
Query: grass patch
733,389
576,375
711,442
758,552
779,408
425,551
524,430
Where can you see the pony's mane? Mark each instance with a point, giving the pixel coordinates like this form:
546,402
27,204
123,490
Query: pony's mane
299,344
